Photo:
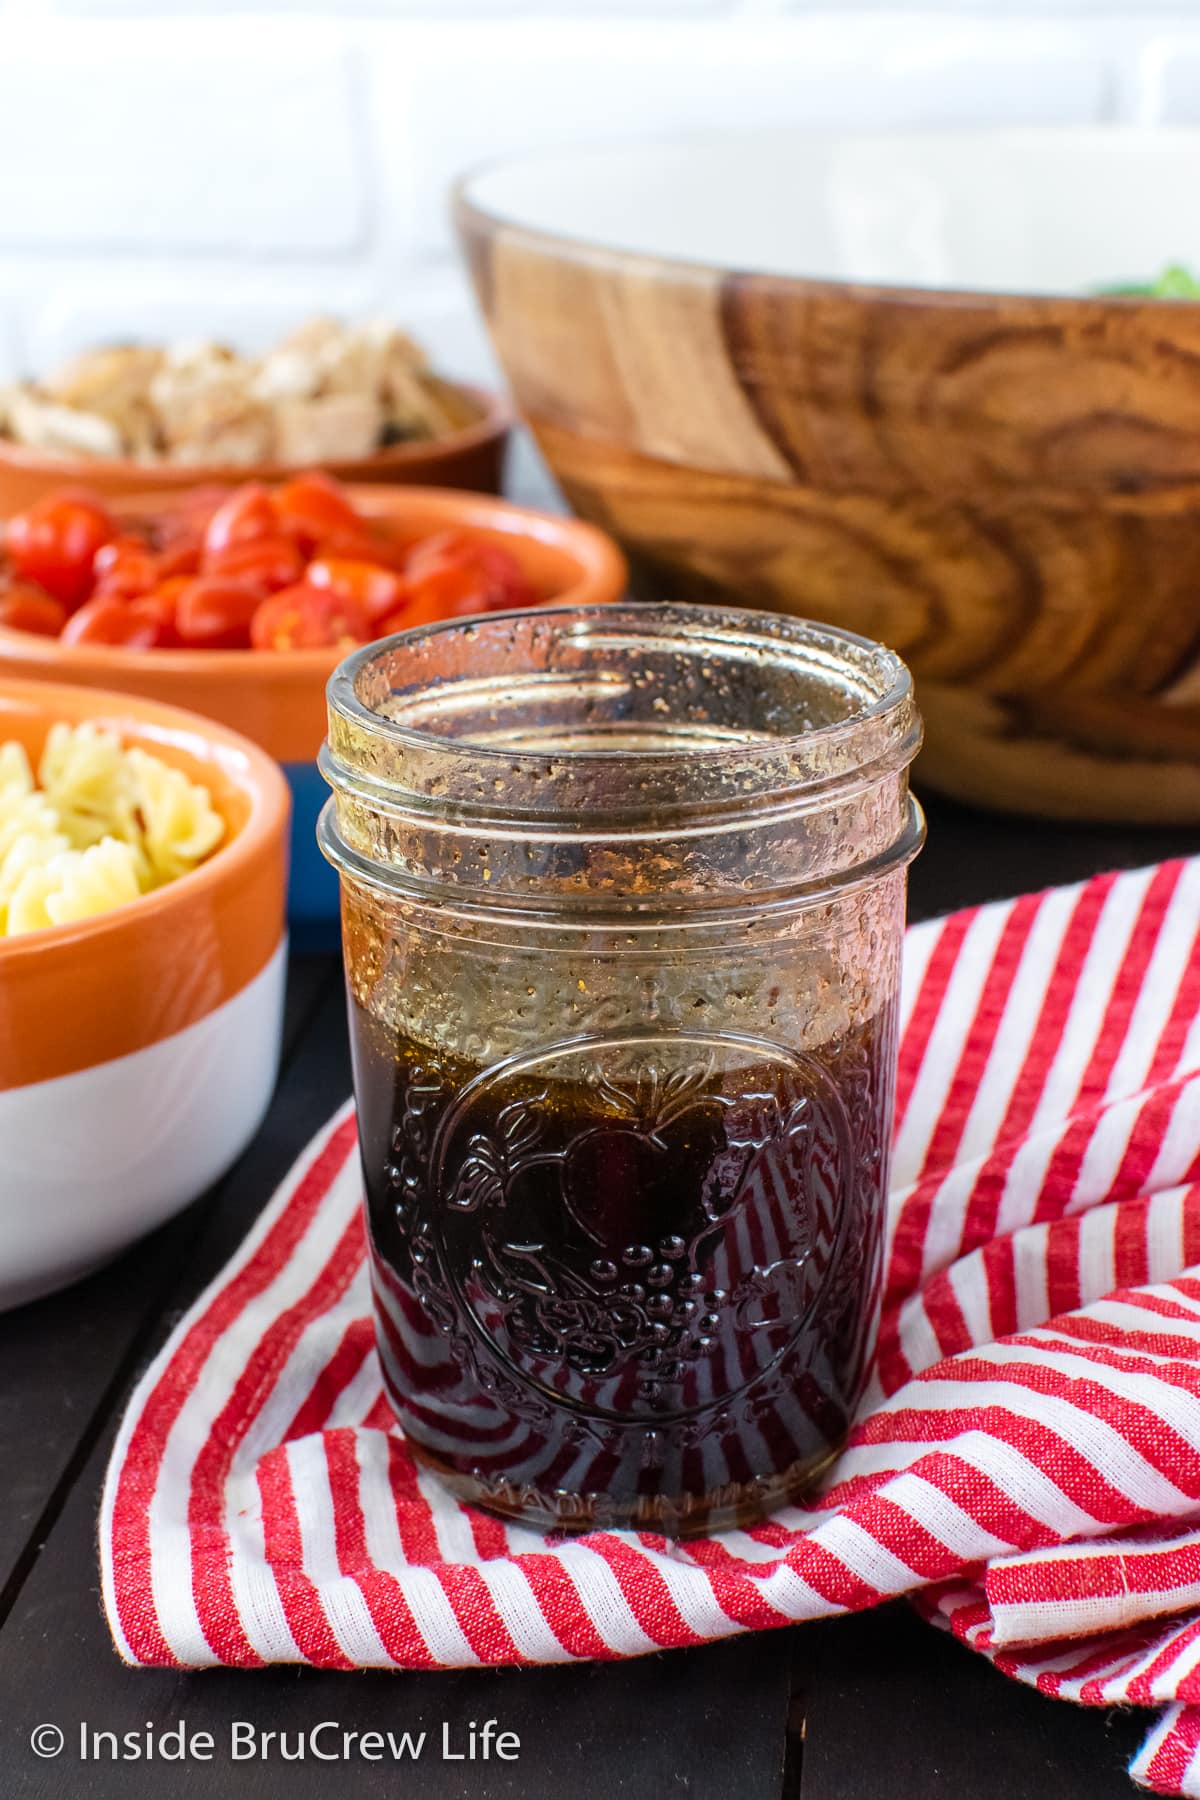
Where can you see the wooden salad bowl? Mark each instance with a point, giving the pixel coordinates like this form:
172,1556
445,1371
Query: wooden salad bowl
783,369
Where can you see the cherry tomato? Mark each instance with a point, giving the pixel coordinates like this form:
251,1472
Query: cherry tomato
450,595
212,613
378,591
265,564
507,585
125,568
180,556
160,606
31,609
166,594
433,548
246,515
410,616
304,618
188,517
515,587
109,620
363,546
450,590
313,507
54,543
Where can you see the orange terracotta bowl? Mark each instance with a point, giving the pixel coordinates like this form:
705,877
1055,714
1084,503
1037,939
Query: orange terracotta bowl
470,457
139,1048
278,699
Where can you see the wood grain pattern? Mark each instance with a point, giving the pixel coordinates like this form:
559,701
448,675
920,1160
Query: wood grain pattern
1005,489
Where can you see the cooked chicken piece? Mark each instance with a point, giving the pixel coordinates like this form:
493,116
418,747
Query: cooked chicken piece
388,336
205,409
188,369
352,364
286,375
413,406
45,425
116,384
139,428
331,428
327,392
239,436
200,353
310,338
92,373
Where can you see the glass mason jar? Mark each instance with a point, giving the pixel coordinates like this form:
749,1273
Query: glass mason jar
622,903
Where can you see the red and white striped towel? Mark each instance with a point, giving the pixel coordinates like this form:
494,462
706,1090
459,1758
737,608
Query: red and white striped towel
1029,1457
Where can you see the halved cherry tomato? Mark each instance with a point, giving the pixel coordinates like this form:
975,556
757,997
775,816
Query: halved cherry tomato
247,515
212,613
507,584
411,616
54,543
202,571
109,620
435,545
266,564
451,590
160,606
378,591
514,586
167,592
180,556
313,507
446,593
188,516
31,609
304,618
364,545
125,568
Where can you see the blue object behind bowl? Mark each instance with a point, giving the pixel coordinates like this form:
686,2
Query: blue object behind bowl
313,912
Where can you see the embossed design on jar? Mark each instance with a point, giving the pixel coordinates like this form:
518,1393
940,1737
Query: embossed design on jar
641,1226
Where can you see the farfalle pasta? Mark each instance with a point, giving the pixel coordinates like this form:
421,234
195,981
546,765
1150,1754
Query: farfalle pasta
176,817
86,777
96,826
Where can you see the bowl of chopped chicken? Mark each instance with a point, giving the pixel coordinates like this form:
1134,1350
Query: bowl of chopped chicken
360,401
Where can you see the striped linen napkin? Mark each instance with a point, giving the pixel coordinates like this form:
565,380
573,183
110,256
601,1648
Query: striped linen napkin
1027,1463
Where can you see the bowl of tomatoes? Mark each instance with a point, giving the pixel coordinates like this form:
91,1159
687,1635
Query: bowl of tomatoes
238,603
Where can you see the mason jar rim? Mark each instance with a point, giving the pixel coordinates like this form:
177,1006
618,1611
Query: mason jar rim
637,756
684,620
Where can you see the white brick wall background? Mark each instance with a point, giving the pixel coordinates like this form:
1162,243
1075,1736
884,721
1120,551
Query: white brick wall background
172,169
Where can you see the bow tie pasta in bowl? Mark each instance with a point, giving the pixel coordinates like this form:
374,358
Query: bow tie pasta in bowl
96,826
143,871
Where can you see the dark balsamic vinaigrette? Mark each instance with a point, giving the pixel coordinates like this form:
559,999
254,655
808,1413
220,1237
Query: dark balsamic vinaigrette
626,1281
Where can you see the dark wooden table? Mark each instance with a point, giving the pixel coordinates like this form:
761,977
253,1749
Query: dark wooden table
878,1707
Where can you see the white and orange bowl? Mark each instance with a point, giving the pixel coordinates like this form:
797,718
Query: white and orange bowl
139,1048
